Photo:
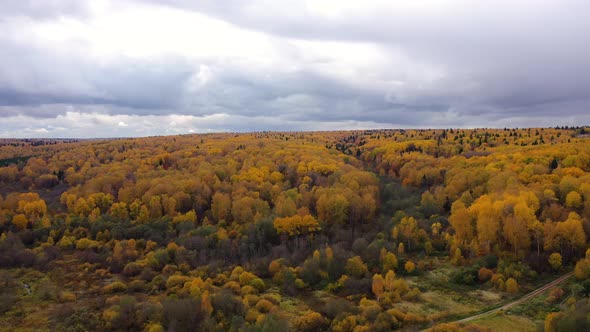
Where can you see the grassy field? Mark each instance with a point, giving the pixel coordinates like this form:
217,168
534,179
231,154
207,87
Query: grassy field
505,322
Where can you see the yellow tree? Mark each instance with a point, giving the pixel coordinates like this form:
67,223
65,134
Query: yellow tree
378,285
407,228
511,286
460,220
516,233
573,200
332,208
296,225
389,262
389,281
221,206
555,260
487,220
20,221
571,232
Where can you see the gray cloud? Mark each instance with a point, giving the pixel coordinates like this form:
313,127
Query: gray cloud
456,64
511,57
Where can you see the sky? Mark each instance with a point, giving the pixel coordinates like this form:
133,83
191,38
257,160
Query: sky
72,68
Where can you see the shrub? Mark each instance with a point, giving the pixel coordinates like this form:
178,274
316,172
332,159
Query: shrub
484,274
555,295
176,281
356,267
310,321
335,306
258,284
511,286
264,306
555,260
115,287
65,296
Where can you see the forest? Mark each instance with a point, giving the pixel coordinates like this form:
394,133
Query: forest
368,230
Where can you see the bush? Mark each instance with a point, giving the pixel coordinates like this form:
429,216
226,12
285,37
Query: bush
176,281
258,284
310,321
138,286
511,286
65,296
335,306
115,287
264,306
465,276
356,267
484,274
555,295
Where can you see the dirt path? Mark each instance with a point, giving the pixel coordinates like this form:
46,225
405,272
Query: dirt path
520,300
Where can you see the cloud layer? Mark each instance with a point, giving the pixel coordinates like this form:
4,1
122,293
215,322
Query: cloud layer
134,68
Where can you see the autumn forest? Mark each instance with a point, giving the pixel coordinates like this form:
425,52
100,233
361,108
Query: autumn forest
369,230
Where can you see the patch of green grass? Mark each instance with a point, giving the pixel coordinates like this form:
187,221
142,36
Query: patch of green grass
504,322
536,308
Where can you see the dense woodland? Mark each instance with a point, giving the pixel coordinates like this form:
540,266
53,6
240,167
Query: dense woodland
307,231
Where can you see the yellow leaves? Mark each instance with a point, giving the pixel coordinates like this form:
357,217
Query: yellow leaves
253,174
410,266
378,285
511,286
310,321
196,287
206,305
323,169
330,255
551,320
460,219
82,208
407,228
190,217
176,282
356,267
246,277
220,206
296,225
85,243
31,206
264,306
20,221
555,260
389,262
573,200
582,269
572,230
246,210
233,286
332,208
487,219
119,211
275,266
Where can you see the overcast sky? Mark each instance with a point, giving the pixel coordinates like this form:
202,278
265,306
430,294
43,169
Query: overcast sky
70,68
